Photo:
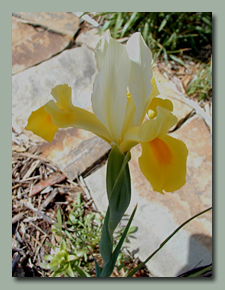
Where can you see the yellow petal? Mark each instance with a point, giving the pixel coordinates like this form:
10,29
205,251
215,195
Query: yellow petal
62,94
158,126
40,123
155,90
78,118
164,103
130,139
163,163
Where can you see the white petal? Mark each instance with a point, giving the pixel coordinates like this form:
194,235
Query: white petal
141,73
100,50
109,97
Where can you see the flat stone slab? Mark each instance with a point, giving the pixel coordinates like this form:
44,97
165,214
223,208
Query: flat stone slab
75,152
159,215
31,46
60,22
169,91
90,38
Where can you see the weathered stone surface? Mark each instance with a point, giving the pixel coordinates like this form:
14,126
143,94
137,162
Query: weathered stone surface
31,46
75,151
31,88
169,91
89,38
60,22
159,215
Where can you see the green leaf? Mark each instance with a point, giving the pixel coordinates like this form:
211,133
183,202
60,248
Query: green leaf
44,266
118,24
63,246
106,242
48,257
81,252
129,24
118,185
49,244
57,272
162,24
178,60
114,167
104,27
69,270
205,271
108,268
145,31
132,230
97,268
119,193
69,236
81,272
207,21
59,218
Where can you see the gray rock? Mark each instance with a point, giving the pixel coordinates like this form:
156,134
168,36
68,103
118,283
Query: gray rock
89,38
75,152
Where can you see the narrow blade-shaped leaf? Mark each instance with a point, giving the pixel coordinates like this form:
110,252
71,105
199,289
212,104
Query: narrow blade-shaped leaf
108,268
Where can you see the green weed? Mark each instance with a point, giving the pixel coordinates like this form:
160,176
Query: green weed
166,33
201,84
78,240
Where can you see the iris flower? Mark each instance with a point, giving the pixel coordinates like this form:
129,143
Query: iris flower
126,111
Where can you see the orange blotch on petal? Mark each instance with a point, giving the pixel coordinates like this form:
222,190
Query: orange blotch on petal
163,163
161,151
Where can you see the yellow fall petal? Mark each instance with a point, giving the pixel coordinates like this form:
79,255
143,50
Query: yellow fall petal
40,123
130,139
158,126
163,163
164,103
62,94
78,118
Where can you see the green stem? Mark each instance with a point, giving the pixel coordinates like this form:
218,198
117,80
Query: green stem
108,268
119,193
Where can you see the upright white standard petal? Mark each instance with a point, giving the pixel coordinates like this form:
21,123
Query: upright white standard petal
140,85
109,97
100,50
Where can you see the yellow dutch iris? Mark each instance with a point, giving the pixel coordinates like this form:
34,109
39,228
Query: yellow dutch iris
119,116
